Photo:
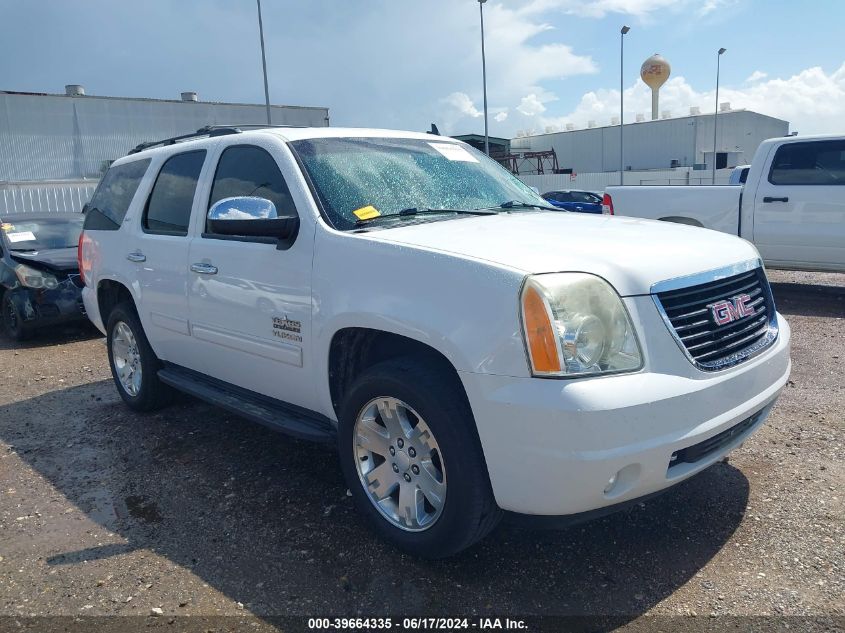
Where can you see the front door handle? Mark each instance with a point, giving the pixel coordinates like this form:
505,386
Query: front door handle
770,199
204,269
136,256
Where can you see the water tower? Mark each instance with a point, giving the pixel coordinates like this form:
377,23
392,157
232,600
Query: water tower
654,72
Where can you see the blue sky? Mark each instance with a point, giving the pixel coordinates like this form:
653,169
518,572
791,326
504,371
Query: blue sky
405,64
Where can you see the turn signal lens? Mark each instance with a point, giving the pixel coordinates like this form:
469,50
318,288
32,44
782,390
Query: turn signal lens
539,333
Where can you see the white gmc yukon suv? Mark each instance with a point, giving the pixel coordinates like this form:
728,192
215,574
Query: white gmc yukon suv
470,350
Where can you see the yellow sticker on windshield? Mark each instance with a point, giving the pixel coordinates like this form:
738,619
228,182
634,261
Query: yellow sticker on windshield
366,213
7,227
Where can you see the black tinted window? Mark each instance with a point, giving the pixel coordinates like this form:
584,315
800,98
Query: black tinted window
169,207
111,200
816,163
245,170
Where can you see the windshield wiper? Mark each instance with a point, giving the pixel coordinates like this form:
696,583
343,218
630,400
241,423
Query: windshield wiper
519,204
415,211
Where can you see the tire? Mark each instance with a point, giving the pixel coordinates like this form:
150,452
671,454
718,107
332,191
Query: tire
13,324
432,398
145,391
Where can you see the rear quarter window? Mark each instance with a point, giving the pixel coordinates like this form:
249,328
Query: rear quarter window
111,200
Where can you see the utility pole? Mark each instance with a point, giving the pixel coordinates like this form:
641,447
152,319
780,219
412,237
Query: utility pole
484,79
622,32
716,113
264,64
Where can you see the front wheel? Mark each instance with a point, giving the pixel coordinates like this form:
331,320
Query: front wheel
413,461
134,365
13,322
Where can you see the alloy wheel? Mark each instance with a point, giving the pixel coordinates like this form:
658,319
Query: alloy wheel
399,464
126,358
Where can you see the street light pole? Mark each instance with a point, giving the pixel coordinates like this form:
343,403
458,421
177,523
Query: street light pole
716,113
264,64
622,33
484,79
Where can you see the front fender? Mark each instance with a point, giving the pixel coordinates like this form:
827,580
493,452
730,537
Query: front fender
468,310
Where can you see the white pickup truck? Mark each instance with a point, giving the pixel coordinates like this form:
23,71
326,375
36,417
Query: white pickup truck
469,350
792,205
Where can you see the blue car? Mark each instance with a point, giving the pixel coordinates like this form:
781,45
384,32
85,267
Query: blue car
579,201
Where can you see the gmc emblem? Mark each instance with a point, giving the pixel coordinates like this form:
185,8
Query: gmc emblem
730,310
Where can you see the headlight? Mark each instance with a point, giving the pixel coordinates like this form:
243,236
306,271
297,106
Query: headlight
33,278
575,324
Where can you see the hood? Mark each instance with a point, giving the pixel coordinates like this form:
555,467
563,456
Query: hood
632,254
56,259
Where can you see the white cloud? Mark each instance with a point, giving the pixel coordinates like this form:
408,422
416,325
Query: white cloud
531,105
757,75
516,66
812,101
501,116
461,102
636,8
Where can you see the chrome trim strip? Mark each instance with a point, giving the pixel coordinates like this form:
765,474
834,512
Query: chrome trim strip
736,358
678,283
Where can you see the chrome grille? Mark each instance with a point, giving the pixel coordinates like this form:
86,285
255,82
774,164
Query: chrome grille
691,314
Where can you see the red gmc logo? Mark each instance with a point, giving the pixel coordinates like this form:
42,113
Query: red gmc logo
730,310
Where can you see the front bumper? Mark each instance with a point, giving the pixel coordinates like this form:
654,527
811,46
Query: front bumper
553,446
39,307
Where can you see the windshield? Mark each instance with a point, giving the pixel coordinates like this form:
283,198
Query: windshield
361,178
42,234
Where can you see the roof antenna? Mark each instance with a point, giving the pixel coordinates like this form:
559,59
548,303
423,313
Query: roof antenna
434,130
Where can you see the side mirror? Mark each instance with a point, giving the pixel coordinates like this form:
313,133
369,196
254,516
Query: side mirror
249,216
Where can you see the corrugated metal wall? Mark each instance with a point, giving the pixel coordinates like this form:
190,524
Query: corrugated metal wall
655,144
61,196
52,137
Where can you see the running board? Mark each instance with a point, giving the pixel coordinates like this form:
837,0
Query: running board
289,419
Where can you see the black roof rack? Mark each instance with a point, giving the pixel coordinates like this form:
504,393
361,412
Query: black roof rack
208,130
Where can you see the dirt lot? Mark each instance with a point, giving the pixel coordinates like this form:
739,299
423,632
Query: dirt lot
196,512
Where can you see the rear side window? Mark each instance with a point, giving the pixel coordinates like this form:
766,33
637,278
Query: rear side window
814,163
246,170
169,207
111,200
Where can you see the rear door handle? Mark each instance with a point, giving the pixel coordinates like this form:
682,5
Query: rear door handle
136,256
770,199
204,269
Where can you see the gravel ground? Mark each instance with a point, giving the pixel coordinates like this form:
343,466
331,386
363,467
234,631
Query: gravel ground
195,512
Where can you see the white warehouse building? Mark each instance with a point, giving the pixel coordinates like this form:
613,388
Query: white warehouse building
55,147
664,143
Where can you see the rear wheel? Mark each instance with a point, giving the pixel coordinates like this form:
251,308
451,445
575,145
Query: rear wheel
133,363
413,460
13,322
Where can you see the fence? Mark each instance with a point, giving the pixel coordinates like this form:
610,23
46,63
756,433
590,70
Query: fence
599,181
46,196
68,196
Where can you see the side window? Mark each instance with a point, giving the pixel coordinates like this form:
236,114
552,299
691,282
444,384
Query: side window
168,208
581,196
108,205
246,170
815,163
